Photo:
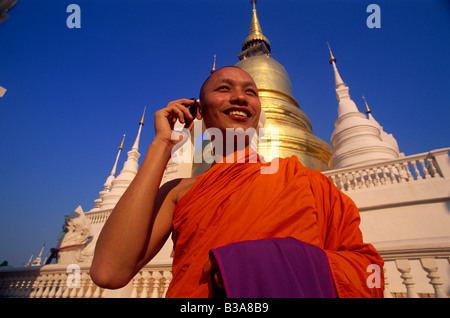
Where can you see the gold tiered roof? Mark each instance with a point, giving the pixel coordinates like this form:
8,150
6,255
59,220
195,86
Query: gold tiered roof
280,107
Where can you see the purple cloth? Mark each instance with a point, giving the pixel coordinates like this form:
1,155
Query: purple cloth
274,268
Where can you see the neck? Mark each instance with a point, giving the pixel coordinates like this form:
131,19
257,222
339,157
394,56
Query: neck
234,153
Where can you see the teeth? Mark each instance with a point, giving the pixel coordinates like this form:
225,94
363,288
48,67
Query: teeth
238,113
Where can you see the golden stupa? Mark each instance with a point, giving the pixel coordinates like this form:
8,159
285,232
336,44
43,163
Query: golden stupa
281,109
281,113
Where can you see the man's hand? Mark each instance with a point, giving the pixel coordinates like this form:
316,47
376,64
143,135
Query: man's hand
166,118
210,267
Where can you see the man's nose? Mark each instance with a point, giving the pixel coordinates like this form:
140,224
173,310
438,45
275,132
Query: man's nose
239,98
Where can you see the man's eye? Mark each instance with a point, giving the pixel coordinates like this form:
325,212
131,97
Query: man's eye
221,88
251,91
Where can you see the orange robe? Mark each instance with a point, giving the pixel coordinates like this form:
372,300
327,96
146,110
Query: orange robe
235,202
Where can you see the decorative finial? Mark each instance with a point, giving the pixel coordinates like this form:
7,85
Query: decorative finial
255,36
142,120
367,106
113,171
332,59
214,65
121,145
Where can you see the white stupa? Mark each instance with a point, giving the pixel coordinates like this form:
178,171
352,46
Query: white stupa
357,139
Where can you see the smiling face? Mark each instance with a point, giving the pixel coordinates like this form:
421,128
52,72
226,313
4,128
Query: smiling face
229,99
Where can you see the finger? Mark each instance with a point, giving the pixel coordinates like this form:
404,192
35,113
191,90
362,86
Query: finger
207,269
219,280
185,114
177,111
184,101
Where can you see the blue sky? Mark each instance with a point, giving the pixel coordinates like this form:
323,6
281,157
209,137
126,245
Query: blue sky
73,93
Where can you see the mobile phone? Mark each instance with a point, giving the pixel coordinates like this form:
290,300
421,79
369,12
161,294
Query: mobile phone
192,110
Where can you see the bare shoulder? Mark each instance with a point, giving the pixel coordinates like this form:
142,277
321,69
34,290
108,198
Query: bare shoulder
177,188
184,186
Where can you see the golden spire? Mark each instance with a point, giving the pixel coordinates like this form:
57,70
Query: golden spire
113,171
121,145
337,78
142,120
367,106
214,65
332,59
136,142
255,35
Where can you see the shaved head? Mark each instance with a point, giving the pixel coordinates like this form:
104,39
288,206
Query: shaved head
202,89
204,105
229,90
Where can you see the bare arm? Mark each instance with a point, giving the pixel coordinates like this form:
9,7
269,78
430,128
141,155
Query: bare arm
142,219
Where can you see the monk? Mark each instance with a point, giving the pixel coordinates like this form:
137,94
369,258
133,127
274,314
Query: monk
234,227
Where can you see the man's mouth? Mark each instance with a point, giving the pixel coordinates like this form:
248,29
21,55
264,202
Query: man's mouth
238,113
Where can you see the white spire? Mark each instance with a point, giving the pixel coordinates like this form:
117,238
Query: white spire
123,180
141,123
108,182
357,140
29,261
346,104
337,78
38,259
113,171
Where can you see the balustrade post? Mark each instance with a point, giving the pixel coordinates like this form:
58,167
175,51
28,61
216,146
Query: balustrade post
377,181
30,286
363,181
416,171
347,184
383,176
80,291
61,284
97,292
17,286
405,269
409,176
156,275
40,287
145,283
426,175
431,169
67,290
441,162
134,292
370,178
391,174
168,277
73,292
53,286
34,288
430,266
90,286
22,286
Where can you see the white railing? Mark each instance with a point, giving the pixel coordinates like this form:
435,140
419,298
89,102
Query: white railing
415,168
432,256
151,283
60,281
98,217
73,281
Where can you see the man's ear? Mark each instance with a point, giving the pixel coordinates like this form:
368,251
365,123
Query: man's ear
200,110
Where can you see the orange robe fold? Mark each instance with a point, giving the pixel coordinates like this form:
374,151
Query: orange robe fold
235,202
